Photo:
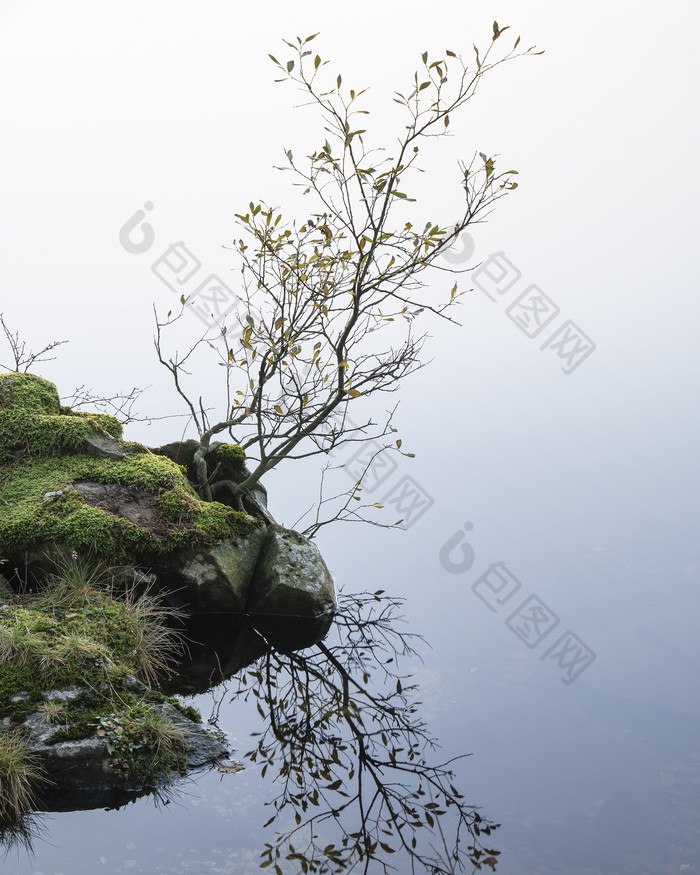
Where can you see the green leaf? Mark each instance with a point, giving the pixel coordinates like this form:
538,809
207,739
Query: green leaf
317,62
290,66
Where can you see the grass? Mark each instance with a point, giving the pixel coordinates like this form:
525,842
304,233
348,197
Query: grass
19,775
156,645
102,619
54,712
86,629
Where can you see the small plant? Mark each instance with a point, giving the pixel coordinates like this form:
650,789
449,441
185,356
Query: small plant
79,575
142,743
54,712
18,777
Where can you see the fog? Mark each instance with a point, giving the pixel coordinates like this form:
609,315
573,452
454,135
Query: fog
580,475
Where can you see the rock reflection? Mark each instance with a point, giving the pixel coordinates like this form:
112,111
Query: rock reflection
345,743
219,645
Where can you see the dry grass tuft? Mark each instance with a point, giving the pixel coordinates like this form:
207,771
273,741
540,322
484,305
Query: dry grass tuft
19,775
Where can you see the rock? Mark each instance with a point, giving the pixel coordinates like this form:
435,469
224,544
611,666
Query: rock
86,763
67,481
203,746
215,579
70,485
127,502
293,597
104,446
291,577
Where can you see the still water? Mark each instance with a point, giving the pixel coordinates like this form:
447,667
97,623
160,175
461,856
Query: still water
599,774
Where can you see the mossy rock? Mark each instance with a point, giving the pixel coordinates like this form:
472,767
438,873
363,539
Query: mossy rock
66,479
224,462
68,684
28,392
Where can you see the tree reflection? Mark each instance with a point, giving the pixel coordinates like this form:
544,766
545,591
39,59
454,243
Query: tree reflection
352,755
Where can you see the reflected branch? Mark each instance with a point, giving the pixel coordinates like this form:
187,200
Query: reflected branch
352,755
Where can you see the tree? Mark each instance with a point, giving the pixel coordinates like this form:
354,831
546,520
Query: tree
330,304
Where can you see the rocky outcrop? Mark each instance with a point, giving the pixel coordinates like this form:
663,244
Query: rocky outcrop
69,483
71,487
213,579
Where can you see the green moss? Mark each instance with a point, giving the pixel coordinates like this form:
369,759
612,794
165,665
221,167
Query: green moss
100,421
135,447
25,433
15,681
186,710
28,392
75,634
57,641
230,454
27,519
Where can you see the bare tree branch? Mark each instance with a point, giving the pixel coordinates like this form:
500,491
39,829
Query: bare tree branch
24,358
